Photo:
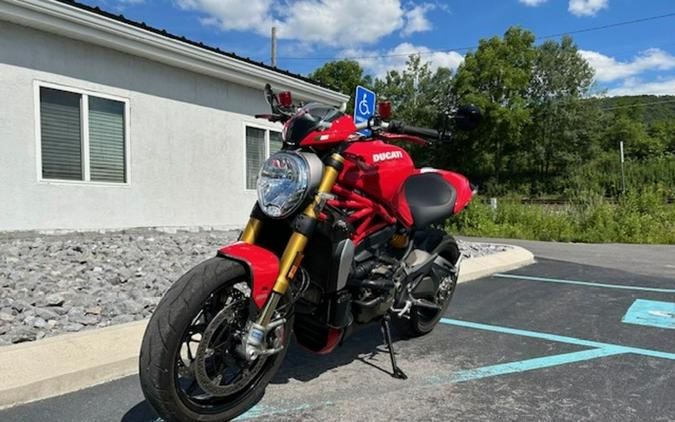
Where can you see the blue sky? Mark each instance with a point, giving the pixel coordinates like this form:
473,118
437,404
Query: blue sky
630,59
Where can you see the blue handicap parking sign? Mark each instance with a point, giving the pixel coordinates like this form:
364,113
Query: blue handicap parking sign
364,106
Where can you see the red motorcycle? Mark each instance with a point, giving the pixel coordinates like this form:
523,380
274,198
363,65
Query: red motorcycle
346,232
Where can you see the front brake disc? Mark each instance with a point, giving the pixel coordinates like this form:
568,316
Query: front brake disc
207,356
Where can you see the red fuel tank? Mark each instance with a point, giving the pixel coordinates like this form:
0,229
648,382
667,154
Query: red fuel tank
377,169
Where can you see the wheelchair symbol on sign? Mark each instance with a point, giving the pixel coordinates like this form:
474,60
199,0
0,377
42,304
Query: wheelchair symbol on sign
363,106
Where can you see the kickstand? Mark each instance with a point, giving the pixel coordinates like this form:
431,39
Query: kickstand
397,373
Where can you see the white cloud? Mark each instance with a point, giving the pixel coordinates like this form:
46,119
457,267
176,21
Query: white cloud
327,22
587,7
609,69
532,3
636,87
378,63
348,22
232,14
416,19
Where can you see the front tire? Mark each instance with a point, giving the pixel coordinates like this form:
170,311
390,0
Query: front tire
172,377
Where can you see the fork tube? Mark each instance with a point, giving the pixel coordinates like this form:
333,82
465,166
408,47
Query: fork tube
303,227
251,230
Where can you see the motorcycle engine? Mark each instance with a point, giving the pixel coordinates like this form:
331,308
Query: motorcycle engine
375,294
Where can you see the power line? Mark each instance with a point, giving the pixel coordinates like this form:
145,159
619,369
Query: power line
473,47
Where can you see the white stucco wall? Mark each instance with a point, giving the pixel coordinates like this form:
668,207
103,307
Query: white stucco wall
187,162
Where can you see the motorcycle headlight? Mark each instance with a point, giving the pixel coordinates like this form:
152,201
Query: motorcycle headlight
284,182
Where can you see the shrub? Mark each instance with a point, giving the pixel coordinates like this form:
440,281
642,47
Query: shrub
639,217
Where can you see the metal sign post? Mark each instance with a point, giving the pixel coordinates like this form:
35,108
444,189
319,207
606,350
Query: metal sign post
623,175
364,107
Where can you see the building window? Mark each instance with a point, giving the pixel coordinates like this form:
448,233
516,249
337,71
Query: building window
82,137
260,144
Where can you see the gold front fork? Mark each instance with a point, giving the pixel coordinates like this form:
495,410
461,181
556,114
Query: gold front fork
251,231
294,252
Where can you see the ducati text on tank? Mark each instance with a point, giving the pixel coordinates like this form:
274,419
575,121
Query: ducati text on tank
389,155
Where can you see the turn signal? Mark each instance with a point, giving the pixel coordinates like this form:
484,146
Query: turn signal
285,98
384,109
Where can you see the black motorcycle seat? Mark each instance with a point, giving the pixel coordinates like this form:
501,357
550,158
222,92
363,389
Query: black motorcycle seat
430,197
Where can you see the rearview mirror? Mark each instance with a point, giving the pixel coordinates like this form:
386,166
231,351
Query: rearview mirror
467,117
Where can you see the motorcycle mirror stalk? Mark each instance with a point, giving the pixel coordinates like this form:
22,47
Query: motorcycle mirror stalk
281,104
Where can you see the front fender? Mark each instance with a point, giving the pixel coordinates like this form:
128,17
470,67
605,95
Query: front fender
262,265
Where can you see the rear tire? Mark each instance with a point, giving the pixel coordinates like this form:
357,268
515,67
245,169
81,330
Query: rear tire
422,320
164,345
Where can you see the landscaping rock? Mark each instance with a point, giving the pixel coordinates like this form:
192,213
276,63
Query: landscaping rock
74,327
52,284
54,299
6,317
21,335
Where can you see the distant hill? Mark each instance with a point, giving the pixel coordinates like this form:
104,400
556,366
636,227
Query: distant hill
646,108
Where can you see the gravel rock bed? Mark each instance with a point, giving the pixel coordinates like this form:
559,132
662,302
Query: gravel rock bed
475,249
53,284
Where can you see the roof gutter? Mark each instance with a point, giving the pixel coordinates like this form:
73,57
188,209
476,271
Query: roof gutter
71,22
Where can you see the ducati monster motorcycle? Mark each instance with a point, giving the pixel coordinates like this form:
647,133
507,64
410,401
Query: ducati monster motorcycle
346,232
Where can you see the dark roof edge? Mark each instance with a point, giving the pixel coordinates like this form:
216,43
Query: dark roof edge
142,25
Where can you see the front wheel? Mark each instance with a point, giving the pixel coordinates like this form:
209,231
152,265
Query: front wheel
189,367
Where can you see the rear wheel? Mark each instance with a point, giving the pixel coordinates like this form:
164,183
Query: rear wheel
423,319
189,368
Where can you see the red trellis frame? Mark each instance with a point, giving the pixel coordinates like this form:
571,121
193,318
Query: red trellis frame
367,216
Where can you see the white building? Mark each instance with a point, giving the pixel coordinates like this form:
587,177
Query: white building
107,123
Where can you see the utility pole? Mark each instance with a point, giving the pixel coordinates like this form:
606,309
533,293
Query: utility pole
623,175
274,46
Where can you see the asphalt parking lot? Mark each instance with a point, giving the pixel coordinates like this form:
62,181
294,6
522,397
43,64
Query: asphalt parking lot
553,341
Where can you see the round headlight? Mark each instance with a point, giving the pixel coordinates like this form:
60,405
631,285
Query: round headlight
282,184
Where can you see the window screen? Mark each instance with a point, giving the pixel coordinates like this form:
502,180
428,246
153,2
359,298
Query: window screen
63,148
275,142
61,134
106,140
255,154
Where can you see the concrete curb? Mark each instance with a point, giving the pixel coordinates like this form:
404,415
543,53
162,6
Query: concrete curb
70,362
482,266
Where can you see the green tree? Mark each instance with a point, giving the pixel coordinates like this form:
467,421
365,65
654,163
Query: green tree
561,132
497,78
637,142
419,96
343,75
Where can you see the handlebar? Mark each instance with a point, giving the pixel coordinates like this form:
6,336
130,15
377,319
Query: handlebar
399,127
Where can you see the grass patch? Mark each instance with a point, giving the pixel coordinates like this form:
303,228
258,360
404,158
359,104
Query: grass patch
637,217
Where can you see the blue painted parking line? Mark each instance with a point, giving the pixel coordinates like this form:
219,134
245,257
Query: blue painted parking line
651,313
526,365
558,338
599,350
261,410
585,283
